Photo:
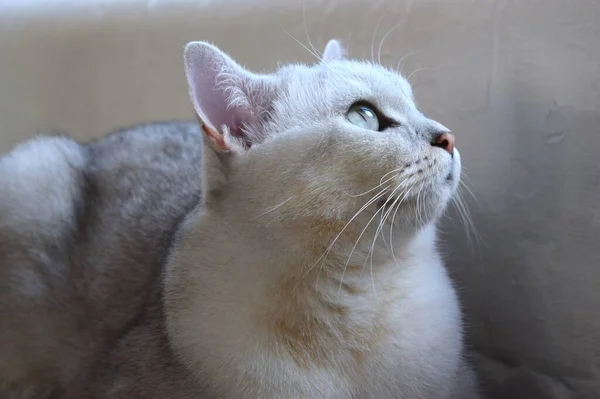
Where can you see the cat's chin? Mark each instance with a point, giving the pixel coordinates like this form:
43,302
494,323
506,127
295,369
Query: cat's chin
413,212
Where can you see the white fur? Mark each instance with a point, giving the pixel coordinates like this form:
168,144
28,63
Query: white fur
264,296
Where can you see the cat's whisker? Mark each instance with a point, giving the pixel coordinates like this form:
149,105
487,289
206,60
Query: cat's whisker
315,51
390,208
358,240
377,232
466,220
465,180
425,200
457,202
303,45
417,71
370,255
368,223
464,175
383,40
426,208
365,206
373,189
271,209
372,251
408,184
418,208
399,64
373,37
381,182
465,185
331,246
390,244
375,198
385,214
354,247
391,172
399,203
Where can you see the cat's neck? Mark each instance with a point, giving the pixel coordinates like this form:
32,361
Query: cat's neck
328,305
277,281
324,251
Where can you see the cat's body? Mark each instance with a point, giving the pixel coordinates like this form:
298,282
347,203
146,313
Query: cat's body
277,284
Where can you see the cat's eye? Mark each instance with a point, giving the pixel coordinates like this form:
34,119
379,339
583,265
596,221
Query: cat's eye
363,116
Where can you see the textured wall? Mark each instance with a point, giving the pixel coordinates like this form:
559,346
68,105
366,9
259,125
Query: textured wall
518,81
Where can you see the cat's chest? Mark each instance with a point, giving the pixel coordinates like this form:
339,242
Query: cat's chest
260,340
406,347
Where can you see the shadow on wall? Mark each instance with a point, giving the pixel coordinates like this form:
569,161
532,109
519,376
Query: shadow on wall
530,285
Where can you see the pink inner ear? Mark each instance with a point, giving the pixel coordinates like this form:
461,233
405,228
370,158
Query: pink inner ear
213,78
236,130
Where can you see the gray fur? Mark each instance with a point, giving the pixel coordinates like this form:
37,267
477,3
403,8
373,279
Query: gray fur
84,232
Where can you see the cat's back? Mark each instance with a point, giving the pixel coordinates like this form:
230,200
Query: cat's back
84,230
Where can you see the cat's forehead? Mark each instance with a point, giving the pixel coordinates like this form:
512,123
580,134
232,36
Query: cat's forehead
377,77
350,78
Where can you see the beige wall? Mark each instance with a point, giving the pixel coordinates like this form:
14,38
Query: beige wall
518,81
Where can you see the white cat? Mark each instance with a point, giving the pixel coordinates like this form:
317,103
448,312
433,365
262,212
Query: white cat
311,271
290,253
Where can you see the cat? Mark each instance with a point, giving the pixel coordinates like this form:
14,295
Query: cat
283,247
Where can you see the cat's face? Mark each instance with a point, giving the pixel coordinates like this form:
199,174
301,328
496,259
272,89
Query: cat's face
329,140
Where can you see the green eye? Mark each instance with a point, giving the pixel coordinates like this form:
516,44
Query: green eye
363,116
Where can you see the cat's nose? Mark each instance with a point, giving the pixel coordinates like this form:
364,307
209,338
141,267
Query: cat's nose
444,141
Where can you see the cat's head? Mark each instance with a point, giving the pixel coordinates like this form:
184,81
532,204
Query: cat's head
326,141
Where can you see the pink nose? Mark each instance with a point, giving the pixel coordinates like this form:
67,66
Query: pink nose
445,141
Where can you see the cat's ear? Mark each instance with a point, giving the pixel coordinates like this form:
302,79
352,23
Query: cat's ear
333,51
226,97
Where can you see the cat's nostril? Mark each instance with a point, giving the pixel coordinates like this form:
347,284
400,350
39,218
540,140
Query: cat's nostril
444,141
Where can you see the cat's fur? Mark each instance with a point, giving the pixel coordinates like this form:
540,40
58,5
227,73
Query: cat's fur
278,284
